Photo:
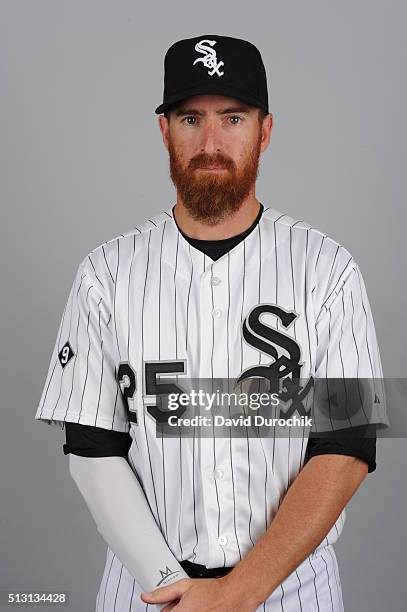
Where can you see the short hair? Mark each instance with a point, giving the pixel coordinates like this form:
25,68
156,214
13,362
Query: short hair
262,113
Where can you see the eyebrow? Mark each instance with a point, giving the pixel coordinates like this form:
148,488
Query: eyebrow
194,111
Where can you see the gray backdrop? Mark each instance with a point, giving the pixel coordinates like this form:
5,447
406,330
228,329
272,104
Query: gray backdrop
82,160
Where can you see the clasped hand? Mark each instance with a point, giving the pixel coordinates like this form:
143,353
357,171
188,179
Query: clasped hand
200,595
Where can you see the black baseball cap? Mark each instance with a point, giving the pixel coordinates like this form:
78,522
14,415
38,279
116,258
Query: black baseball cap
212,64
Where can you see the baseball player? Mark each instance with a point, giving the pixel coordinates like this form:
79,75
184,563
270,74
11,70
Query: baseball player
217,285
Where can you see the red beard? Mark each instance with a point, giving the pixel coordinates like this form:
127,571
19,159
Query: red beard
211,197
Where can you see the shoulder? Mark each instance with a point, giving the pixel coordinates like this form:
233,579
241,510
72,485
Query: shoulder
327,262
315,240
99,267
108,254
129,236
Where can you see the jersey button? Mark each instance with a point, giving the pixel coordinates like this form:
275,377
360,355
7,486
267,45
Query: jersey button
216,313
218,473
215,280
222,540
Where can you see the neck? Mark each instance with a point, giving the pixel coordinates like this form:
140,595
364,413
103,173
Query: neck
235,224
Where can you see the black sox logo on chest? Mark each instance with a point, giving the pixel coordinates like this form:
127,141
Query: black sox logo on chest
267,339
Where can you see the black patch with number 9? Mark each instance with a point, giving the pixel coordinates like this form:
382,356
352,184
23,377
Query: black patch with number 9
65,354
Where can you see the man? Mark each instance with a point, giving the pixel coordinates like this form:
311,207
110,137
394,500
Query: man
222,524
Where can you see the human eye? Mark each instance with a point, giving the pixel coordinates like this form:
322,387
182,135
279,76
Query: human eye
188,117
236,117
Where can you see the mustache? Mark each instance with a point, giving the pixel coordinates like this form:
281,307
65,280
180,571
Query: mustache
203,161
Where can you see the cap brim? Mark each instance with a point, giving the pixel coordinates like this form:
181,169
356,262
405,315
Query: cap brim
211,88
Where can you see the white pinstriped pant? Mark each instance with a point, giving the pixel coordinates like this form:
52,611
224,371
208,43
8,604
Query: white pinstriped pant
313,587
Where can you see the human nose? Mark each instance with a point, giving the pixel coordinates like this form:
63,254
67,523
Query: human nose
210,141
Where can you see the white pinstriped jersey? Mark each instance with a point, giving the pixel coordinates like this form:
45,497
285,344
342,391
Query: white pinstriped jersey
148,296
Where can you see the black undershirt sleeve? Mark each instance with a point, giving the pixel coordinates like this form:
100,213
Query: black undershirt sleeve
355,442
89,441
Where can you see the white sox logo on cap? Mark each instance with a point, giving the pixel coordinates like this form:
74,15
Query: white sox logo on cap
209,60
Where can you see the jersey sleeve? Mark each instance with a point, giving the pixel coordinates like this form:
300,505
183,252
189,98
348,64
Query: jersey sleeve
348,357
81,384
